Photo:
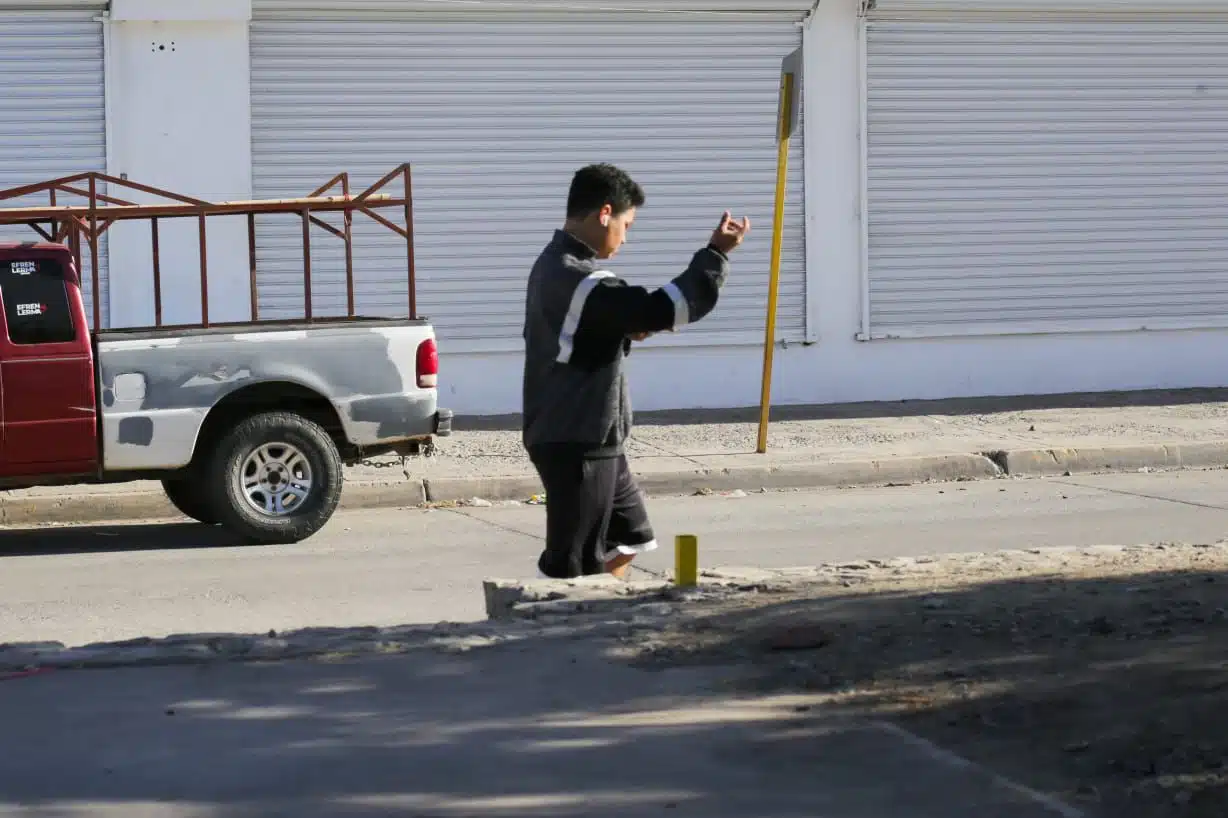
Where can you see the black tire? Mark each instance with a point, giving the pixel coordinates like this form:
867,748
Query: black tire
237,509
190,496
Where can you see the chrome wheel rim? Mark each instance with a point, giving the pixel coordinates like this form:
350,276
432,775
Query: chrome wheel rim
276,479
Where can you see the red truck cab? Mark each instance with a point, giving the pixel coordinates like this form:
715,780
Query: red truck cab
48,390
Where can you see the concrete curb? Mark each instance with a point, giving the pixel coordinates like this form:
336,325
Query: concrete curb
1091,459
784,476
102,507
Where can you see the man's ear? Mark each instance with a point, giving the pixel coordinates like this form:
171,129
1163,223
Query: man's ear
603,215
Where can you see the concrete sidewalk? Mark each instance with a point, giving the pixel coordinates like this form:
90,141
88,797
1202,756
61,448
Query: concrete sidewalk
839,445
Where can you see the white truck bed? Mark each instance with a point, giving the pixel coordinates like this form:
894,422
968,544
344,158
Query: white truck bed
158,387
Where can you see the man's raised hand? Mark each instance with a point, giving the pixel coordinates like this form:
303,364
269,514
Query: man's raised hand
729,234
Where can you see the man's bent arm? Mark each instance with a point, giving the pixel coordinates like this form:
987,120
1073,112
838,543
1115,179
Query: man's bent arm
617,308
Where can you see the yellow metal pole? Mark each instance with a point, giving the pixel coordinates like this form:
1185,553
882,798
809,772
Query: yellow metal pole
686,560
778,226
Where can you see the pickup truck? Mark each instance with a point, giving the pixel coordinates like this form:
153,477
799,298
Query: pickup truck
247,426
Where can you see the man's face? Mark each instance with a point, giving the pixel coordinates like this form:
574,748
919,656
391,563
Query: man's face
614,227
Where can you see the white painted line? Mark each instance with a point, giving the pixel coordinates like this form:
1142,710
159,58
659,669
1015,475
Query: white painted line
951,759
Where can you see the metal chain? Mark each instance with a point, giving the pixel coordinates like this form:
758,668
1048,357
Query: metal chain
382,464
427,450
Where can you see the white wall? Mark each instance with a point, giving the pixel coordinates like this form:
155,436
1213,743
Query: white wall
180,119
839,368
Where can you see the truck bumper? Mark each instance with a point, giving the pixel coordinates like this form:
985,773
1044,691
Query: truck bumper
443,423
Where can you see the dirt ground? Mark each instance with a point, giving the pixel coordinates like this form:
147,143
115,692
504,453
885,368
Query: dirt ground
1099,675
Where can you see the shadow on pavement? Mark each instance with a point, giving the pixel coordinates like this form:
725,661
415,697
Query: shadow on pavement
545,729
101,539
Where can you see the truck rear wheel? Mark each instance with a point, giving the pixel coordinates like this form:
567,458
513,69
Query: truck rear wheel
189,496
276,478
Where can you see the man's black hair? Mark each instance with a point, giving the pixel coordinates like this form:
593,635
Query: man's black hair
594,186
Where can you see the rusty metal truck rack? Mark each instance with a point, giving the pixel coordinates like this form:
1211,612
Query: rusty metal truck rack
75,224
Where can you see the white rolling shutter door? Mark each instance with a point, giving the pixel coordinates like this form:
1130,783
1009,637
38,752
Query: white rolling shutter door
495,115
1042,173
471,9
52,112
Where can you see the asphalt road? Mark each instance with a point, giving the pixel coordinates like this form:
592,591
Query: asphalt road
391,567
526,732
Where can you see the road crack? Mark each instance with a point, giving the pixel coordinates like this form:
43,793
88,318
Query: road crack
499,526
1141,495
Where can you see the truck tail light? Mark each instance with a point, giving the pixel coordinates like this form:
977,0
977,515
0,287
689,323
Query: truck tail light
428,364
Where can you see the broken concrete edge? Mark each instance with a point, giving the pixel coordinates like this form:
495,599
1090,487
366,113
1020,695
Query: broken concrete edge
589,608
550,609
107,507
27,658
20,659
605,598
655,599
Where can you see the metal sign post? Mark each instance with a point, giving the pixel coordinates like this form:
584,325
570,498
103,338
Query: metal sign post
786,124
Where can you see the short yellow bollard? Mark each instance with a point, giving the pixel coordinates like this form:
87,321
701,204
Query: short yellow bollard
686,560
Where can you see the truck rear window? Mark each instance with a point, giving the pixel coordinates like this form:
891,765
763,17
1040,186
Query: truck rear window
36,301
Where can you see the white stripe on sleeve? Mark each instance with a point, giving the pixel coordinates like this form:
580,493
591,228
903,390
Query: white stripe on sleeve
571,322
682,311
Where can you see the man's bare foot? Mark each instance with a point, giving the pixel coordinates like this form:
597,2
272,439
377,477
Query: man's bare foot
619,565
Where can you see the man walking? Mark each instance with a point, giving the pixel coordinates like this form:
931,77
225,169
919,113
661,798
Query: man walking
580,320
